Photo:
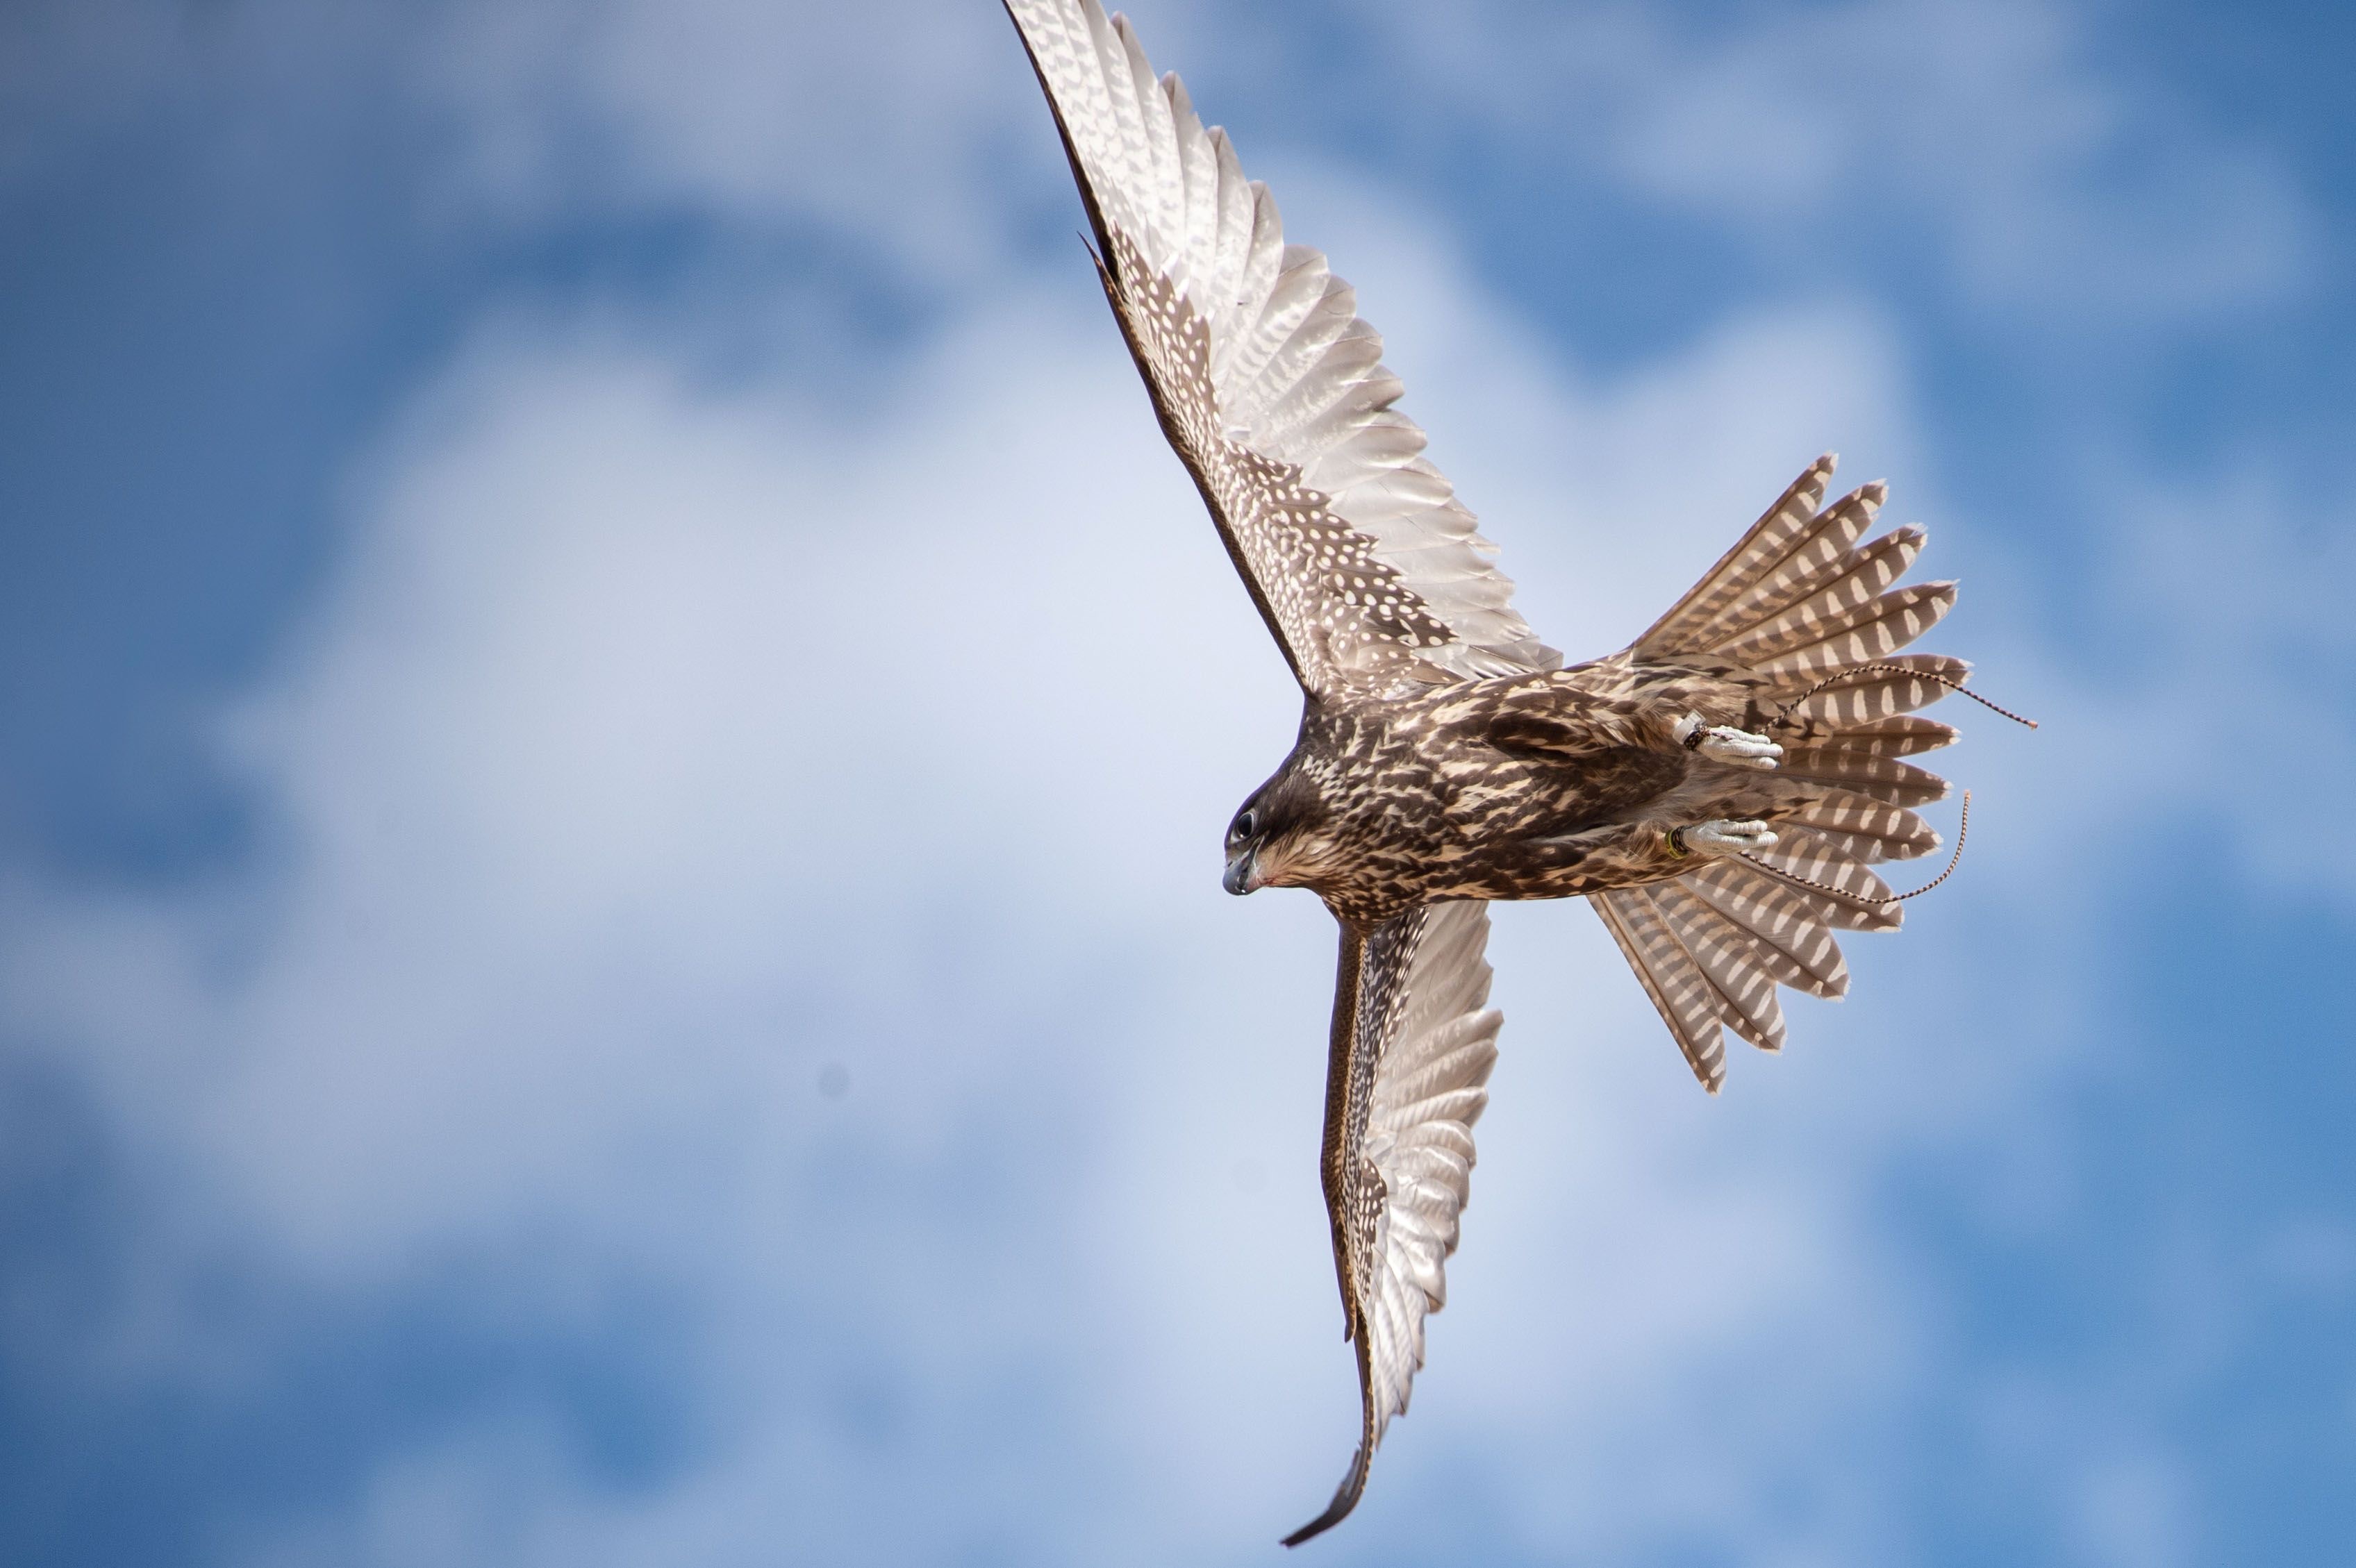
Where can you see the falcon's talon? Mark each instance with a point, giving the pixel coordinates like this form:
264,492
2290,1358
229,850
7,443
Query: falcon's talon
1720,836
1725,744
1736,748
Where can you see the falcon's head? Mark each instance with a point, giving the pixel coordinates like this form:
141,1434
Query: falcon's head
1278,839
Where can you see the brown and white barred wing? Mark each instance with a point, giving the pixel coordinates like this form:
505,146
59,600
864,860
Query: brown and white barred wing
1367,569
1801,601
1414,1069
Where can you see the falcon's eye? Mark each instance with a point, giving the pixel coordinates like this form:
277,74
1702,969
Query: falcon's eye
1245,822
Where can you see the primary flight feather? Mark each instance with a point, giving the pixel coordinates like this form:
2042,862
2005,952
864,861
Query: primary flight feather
1718,790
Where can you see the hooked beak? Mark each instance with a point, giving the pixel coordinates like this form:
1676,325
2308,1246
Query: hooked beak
1240,878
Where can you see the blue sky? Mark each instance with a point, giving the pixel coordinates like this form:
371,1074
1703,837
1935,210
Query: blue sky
577,578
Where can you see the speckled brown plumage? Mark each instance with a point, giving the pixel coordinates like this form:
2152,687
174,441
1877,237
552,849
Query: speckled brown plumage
1445,758
1537,786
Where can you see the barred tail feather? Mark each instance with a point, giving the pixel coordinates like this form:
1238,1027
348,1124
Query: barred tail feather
1736,575
1847,894
1872,631
1769,583
1867,573
1799,601
1902,737
1746,993
1681,993
1786,937
1890,832
1705,930
1700,971
1882,778
1711,948
1883,689
1817,620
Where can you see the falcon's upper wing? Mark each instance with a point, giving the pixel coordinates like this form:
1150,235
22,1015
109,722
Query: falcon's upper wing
1365,567
1413,1044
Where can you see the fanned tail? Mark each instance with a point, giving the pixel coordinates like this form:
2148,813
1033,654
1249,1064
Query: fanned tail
1800,601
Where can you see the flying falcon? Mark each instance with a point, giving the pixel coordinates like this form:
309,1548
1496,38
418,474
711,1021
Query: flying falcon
1716,789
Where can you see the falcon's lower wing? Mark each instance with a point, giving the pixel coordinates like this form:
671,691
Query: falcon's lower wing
1413,1043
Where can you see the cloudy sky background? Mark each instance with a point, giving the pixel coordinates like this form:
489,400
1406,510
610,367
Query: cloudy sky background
578,577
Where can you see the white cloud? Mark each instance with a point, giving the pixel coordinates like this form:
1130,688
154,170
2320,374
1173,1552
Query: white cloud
2052,180
2042,174
2230,590
878,120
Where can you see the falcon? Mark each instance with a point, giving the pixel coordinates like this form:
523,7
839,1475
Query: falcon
1717,791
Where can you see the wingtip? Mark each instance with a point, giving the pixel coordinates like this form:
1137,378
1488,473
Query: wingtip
1345,1497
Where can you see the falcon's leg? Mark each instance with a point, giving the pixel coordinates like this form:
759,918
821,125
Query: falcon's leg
1721,837
1725,744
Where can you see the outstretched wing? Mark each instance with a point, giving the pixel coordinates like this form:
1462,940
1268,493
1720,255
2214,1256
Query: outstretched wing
1798,600
1413,1043
1272,391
